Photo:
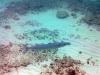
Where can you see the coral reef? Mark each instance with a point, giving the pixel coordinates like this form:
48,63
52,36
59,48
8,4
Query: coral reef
24,6
14,56
8,14
18,7
64,66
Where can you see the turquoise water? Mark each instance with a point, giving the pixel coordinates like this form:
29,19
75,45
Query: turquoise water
29,24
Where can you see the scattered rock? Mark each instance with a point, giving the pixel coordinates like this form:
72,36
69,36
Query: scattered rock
74,15
7,27
33,23
44,33
80,52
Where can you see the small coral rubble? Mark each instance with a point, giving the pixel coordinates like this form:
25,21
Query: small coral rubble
65,66
45,33
33,23
39,34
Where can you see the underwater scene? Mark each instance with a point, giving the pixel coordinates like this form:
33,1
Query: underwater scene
49,37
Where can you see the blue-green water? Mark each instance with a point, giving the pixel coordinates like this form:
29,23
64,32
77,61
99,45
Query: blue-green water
26,25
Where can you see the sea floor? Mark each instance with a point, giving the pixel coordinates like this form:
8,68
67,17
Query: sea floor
83,38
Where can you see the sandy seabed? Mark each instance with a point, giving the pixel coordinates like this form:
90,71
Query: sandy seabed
85,40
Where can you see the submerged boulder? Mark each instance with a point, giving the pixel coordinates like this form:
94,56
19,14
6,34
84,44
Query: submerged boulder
61,14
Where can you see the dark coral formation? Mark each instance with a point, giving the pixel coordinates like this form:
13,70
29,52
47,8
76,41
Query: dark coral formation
8,14
92,19
22,7
84,5
17,7
90,8
41,4
65,66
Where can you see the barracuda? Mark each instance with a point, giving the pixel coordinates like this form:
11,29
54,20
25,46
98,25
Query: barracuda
53,45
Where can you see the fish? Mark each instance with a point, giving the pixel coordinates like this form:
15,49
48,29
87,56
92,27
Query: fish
53,45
